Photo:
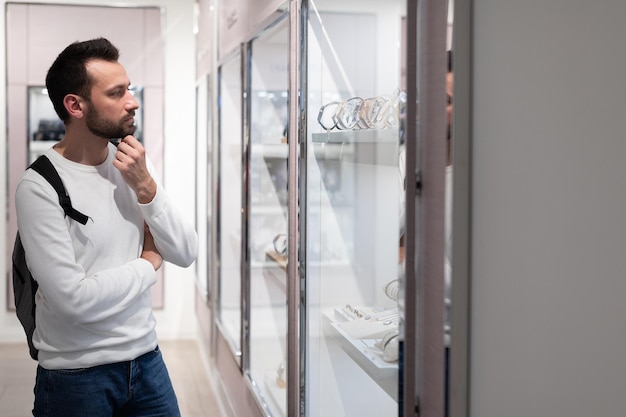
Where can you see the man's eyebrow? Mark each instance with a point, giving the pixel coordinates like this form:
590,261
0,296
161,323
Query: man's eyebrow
118,86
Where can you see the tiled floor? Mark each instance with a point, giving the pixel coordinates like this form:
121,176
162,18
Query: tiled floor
187,370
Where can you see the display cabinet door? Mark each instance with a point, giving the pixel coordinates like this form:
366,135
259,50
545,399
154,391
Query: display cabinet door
204,186
354,208
267,219
230,201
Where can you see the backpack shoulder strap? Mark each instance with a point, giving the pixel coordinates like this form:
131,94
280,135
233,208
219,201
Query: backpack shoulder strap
45,168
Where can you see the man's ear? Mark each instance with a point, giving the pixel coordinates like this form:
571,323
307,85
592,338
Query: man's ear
75,105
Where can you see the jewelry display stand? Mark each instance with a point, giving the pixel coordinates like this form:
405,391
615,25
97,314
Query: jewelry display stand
364,350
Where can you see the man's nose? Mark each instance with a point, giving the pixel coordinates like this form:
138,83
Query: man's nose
132,102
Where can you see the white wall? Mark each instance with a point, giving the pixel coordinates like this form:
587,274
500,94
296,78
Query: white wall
548,264
177,319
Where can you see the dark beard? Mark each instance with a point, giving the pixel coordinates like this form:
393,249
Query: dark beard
107,129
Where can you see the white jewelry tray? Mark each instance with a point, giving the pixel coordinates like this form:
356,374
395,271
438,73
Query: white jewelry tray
363,351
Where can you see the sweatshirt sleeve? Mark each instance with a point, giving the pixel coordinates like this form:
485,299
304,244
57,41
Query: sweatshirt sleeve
64,284
174,237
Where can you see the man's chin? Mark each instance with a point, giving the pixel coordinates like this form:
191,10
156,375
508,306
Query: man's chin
120,136
131,131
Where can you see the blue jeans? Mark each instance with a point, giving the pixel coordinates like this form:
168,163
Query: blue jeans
137,388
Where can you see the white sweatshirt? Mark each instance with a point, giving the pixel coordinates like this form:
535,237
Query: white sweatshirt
94,303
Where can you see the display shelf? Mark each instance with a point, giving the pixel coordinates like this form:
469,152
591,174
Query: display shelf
261,208
271,150
275,269
363,351
38,148
277,258
370,147
390,135
41,145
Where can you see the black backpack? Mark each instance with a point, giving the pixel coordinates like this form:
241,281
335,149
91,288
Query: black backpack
24,286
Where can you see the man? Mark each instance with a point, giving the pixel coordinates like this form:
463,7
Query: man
98,352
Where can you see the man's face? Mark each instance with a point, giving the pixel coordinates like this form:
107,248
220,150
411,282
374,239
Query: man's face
111,107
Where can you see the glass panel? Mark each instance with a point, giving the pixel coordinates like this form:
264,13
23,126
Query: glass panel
267,221
354,206
230,180
204,186
448,205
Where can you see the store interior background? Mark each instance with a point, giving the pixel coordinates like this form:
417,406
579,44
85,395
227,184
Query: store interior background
545,253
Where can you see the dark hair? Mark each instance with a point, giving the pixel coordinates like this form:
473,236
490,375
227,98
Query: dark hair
68,73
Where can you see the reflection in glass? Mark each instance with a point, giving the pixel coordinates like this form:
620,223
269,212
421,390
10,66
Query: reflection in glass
267,221
448,202
354,207
230,180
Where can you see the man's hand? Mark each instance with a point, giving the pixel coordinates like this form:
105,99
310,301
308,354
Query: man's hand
150,253
130,159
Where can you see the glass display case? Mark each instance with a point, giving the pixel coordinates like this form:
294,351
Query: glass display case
353,206
230,200
45,128
311,210
267,215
